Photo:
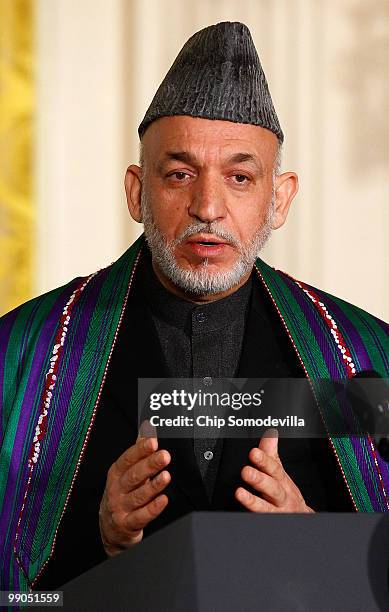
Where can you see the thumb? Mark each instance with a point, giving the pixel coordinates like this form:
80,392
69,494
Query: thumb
269,443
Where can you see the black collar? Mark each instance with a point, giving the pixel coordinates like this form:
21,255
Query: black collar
183,314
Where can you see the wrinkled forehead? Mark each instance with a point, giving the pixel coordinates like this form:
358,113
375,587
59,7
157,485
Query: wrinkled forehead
207,140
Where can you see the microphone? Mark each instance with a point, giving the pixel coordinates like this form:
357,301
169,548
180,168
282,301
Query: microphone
370,402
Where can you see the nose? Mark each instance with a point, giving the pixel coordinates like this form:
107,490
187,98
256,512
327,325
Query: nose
207,202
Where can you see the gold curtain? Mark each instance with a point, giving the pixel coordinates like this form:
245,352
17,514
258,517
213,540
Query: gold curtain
17,212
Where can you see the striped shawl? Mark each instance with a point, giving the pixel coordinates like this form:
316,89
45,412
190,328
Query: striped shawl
54,355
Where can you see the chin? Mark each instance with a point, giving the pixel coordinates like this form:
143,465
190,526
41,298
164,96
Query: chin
205,278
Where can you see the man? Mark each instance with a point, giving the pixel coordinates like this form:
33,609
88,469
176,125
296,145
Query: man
78,481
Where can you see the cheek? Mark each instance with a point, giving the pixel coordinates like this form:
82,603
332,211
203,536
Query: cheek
246,222
173,209
170,217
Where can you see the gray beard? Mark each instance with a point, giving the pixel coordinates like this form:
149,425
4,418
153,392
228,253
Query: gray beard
202,281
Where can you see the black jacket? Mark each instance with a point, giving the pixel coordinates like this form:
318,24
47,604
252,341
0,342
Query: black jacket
266,352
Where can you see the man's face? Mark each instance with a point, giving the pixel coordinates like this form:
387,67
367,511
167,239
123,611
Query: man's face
206,201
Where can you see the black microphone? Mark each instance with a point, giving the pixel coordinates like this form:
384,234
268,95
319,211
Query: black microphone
370,402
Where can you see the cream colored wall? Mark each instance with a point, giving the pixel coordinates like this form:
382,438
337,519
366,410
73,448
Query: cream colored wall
326,62
79,137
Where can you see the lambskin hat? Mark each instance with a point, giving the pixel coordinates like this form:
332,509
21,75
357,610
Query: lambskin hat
216,75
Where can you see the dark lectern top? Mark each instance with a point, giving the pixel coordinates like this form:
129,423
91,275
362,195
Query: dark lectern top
210,562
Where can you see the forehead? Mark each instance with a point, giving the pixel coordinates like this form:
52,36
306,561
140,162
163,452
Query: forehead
207,139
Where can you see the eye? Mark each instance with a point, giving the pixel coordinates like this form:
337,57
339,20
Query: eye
179,176
241,178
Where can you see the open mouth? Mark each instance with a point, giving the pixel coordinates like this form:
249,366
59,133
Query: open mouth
208,243
208,246
207,240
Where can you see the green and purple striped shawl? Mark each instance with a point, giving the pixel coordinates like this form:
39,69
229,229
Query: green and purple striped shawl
54,355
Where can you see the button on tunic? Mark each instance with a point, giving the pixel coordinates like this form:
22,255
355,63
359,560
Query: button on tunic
200,341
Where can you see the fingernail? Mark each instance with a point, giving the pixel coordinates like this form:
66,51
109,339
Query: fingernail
272,432
149,444
243,494
250,474
160,478
147,430
161,458
257,454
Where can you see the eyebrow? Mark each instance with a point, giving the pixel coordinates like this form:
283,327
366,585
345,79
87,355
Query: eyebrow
238,158
188,158
182,156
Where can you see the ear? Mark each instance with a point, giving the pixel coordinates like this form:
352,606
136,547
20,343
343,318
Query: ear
133,186
286,187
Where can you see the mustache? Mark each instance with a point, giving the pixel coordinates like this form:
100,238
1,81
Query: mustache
213,228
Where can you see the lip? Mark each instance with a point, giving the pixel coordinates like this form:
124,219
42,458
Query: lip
216,247
206,238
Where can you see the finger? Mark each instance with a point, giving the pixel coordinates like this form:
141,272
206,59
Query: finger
269,487
147,430
146,468
267,464
148,491
252,502
141,449
138,519
269,442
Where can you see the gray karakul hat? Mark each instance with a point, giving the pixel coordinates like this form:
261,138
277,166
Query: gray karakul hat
216,75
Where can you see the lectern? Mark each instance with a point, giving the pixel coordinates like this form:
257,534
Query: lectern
210,562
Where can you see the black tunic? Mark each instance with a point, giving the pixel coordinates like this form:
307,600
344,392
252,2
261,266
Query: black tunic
265,351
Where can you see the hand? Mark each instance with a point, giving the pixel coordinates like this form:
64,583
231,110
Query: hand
268,477
132,495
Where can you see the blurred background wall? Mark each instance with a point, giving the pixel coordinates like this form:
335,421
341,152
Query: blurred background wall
97,64
17,203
